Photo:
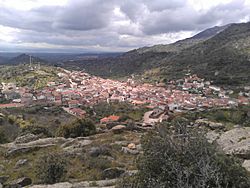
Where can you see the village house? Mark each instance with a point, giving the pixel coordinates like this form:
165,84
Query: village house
109,119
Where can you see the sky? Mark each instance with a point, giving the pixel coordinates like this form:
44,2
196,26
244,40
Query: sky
77,26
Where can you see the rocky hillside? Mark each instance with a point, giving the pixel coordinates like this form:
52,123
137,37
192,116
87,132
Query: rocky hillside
220,54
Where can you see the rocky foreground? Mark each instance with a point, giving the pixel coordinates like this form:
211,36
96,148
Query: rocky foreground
118,148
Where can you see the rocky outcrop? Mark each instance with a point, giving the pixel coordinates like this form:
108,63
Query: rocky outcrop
236,142
70,145
92,184
209,124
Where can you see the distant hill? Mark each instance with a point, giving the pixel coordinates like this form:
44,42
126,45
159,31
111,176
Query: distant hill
24,59
2,59
220,54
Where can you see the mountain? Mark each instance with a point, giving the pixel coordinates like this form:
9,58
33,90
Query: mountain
23,59
220,54
182,44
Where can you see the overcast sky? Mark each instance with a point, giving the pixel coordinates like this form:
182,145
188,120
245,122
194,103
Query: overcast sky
109,25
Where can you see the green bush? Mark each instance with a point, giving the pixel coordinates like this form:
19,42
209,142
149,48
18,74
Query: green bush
185,159
79,128
3,138
36,130
51,168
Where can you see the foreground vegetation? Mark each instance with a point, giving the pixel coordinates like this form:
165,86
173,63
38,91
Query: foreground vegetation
185,159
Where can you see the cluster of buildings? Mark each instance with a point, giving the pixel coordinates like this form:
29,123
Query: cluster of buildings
78,88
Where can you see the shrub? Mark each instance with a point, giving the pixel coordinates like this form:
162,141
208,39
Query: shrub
3,138
79,128
51,168
36,130
185,159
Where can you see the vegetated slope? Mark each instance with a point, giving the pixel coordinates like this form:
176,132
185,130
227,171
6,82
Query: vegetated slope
185,43
138,60
225,58
220,54
33,77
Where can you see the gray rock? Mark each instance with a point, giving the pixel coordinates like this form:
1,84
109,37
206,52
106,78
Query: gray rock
101,150
21,182
130,151
101,183
1,186
111,173
118,129
246,165
21,162
209,124
212,136
27,149
236,142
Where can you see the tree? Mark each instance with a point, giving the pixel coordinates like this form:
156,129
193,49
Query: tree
184,159
51,168
78,128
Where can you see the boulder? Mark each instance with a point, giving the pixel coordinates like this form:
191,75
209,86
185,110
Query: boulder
21,182
130,151
246,165
101,183
76,146
111,173
27,149
236,142
118,129
100,150
209,124
132,146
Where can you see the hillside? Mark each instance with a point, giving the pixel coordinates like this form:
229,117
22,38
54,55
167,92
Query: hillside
24,75
223,58
220,54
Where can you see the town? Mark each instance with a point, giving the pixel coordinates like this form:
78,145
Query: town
78,88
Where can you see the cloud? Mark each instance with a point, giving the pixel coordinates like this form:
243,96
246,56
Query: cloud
111,24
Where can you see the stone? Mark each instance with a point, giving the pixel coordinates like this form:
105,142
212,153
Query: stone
27,149
131,146
209,124
111,173
118,129
101,150
130,151
246,165
212,136
21,162
21,182
101,183
236,142
1,186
